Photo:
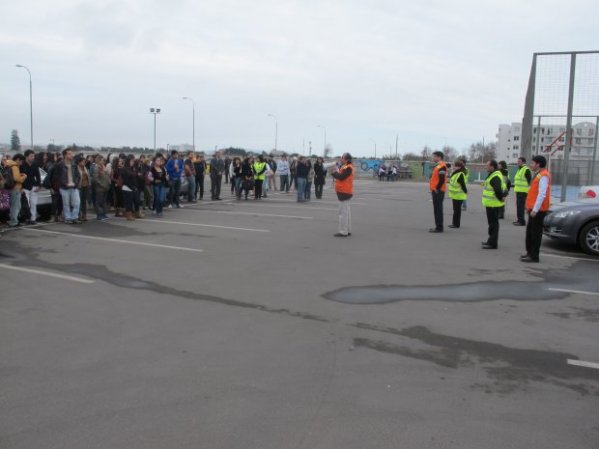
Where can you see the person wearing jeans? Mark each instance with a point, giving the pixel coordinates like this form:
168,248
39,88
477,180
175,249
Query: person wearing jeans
158,178
174,168
15,192
301,178
68,175
283,172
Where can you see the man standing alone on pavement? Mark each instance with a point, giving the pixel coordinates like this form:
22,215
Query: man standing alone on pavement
344,187
537,205
438,185
521,187
493,201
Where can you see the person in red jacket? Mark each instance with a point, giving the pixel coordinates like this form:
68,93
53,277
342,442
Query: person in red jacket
344,187
437,186
537,204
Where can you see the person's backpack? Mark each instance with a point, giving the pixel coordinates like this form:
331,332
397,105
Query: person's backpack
9,180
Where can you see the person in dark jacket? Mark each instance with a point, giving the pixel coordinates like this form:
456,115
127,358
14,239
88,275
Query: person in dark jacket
493,200
66,176
217,168
200,167
301,178
319,177
129,179
506,177
32,184
247,178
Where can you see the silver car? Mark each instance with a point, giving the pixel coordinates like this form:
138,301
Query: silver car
575,223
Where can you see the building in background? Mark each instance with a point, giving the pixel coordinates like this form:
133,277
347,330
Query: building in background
546,138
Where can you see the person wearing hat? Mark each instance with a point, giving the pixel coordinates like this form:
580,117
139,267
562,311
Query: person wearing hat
344,187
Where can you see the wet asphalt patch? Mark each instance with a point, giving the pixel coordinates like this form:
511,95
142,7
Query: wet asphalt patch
580,277
512,368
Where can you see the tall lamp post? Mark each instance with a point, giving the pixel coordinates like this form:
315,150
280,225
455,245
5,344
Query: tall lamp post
374,147
324,150
193,120
30,102
276,129
155,112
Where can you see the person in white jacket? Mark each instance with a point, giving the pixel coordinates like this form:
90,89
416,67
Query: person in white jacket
283,172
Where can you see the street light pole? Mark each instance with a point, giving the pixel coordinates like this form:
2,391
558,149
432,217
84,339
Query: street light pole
30,102
193,120
155,111
374,147
276,129
325,138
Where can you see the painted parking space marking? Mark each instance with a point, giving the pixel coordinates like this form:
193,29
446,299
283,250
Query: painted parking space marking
585,259
203,225
47,273
577,292
583,364
107,239
260,214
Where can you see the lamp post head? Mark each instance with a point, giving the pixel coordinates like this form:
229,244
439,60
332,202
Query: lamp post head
151,109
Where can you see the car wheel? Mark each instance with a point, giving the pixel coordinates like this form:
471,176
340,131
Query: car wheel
589,238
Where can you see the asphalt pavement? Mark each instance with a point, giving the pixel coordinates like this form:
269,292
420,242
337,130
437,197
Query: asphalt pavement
246,324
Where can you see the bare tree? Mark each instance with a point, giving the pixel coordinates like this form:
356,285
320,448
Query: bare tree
480,152
450,153
426,153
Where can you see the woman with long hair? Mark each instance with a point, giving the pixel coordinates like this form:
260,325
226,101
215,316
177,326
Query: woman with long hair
157,176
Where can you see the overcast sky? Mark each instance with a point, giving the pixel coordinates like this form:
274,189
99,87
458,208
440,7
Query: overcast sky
434,72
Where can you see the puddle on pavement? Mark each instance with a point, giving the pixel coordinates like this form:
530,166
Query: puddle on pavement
578,277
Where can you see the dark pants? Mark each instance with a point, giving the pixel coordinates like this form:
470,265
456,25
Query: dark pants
284,183
534,234
200,185
128,200
226,174
83,195
101,202
215,183
258,188
175,192
520,206
493,220
438,209
501,213
318,190
233,184
457,213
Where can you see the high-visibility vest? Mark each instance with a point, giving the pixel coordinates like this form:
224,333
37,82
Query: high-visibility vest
434,182
489,198
345,185
520,182
533,193
258,167
455,188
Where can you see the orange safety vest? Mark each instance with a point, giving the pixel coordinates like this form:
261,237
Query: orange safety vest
531,197
434,182
346,185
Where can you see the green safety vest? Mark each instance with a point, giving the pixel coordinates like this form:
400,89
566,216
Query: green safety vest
258,167
489,198
455,189
520,182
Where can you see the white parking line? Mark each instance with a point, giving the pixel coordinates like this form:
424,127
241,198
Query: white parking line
47,273
259,214
290,201
577,292
569,257
182,223
106,239
280,206
583,364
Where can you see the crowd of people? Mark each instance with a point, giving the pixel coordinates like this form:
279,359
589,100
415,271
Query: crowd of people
128,185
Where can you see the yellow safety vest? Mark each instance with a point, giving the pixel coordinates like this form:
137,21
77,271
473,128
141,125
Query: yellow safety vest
455,188
489,198
258,167
520,182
